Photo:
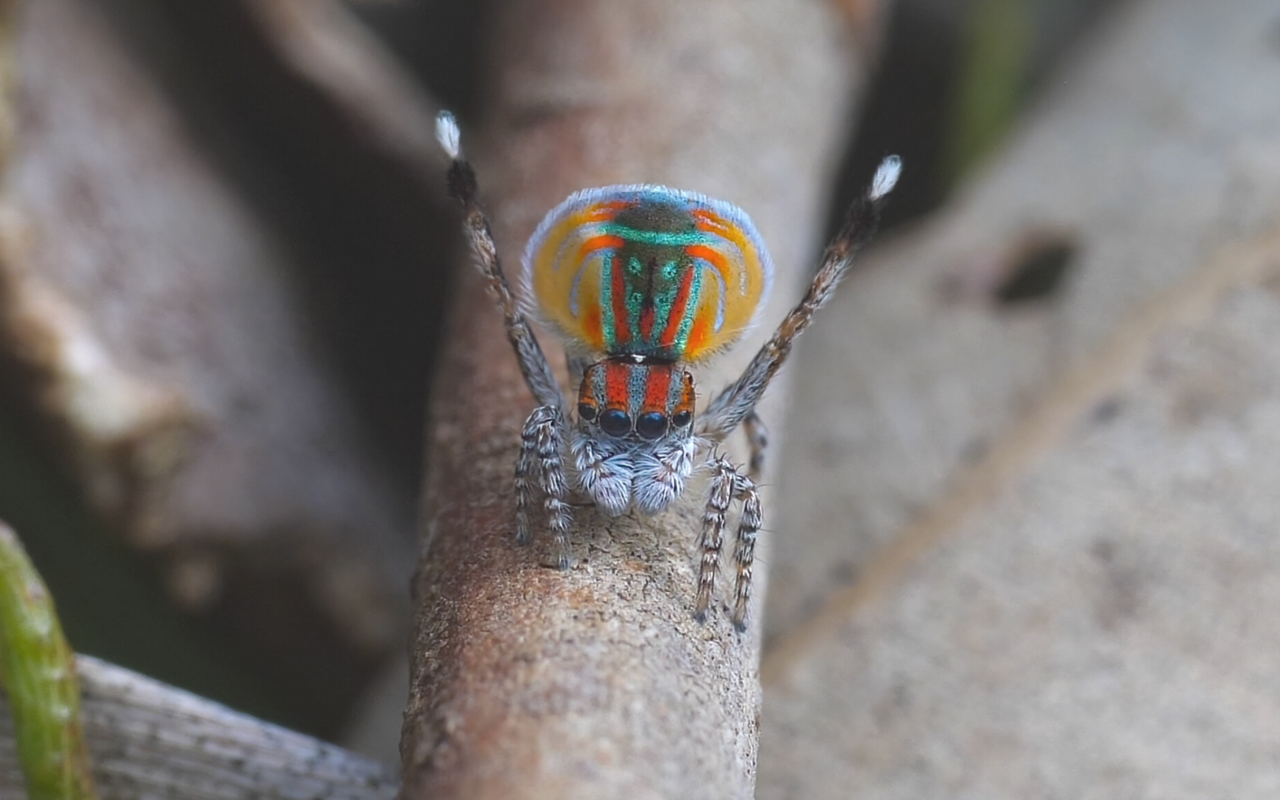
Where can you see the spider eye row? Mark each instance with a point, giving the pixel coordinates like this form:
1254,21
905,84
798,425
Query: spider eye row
650,425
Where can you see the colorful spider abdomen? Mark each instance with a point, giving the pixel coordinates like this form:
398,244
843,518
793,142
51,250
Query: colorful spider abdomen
645,400
647,271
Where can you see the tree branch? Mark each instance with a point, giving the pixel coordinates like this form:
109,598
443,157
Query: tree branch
530,682
147,739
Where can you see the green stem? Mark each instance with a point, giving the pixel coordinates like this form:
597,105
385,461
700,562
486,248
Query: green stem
38,671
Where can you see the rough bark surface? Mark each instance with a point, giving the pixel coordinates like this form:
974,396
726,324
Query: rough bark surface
148,740
1052,522
597,682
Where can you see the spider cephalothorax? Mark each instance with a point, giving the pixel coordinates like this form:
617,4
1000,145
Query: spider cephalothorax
634,443
640,281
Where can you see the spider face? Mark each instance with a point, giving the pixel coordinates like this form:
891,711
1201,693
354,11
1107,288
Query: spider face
633,447
636,399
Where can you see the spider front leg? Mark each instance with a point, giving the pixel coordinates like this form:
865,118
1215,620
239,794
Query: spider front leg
727,485
736,405
543,432
737,402
540,453
463,188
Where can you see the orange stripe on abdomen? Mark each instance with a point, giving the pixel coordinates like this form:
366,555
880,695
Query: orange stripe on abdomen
602,242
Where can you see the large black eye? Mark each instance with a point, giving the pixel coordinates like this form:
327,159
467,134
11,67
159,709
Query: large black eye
615,422
681,419
587,411
652,425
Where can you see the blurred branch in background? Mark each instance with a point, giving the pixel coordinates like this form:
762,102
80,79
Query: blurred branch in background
146,739
223,379
1030,539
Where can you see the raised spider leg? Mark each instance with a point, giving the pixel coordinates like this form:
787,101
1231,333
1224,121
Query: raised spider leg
727,485
731,406
462,187
542,439
758,440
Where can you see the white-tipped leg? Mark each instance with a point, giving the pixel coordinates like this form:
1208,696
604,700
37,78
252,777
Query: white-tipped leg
886,177
730,408
745,549
461,182
758,441
542,432
448,135
712,538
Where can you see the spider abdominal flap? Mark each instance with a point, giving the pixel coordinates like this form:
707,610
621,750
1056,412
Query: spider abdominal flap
641,281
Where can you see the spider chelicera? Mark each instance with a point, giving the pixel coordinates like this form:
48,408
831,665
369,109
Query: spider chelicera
640,282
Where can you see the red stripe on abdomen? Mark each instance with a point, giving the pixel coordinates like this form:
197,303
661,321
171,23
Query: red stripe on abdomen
657,387
616,381
678,309
618,290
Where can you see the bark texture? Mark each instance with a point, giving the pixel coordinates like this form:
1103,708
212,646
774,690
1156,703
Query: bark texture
597,682
1034,537
148,740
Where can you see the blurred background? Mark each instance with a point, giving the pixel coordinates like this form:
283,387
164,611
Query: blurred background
224,281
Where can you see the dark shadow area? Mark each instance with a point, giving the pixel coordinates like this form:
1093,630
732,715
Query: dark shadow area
1037,271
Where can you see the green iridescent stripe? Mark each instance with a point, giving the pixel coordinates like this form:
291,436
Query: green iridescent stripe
635,301
39,674
663,238
608,325
664,302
